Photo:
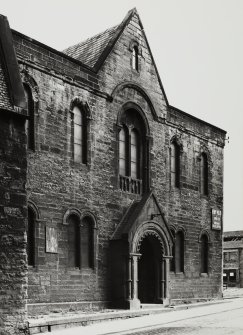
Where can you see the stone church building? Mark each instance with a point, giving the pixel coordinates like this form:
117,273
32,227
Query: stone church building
123,200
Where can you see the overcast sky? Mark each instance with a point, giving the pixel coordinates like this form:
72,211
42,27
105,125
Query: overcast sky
198,49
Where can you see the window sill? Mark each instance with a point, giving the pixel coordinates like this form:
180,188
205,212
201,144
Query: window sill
204,274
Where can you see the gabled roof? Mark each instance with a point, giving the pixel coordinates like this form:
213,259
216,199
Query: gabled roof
133,213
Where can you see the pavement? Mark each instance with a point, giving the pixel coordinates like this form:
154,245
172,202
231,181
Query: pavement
168,315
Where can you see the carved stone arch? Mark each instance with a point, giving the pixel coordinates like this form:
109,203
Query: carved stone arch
204,232
91,216
134,42
138,88
205,150
132,105
183,230
151,228
71,211
33,207
30,81
76,101
176,138
151,233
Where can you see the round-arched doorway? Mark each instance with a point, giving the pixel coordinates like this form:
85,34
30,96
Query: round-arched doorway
149,270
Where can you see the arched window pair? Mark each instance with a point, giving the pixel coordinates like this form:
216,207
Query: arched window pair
175,164
79,135
204,253
177,262
29,124
132,152
80,242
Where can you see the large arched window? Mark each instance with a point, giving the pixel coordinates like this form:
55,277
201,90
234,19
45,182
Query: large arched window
29,125
204,174
74,241
175,164
79,136
132,152
31,237
204,253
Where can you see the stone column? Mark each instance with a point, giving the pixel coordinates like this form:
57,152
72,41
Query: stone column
129,279
161,282
133,302
166,280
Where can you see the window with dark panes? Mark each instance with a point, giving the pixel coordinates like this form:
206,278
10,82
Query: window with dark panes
74,241
175,165
179,252
29,123
87,243
31,237
204,254
204,174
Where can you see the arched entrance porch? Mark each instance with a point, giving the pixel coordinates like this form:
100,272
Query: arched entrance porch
150,270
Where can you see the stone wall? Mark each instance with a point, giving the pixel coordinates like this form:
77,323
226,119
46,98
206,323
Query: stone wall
56,183
13,213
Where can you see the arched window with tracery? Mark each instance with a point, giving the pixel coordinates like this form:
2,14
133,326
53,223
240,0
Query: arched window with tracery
132,152
175,165
204,253
29,123
204,174
79,136
135,57
31,228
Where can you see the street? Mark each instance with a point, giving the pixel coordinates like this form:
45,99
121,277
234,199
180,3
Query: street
217,318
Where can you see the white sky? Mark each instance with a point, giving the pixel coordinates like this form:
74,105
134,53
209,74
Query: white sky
198,49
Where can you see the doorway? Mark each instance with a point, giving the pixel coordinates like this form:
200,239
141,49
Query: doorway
149,272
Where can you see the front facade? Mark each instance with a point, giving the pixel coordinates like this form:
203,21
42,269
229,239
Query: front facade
122,187
233,258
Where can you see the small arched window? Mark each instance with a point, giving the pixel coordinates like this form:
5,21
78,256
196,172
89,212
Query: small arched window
135,58
87,243
29,125
204,174
179,252
74,241
79,136
204,253
31,237
175,164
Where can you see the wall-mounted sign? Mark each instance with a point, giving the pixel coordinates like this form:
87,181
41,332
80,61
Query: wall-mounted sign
216,219
51,240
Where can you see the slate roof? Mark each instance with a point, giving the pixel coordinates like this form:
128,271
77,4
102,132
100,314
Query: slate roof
93,51
89,51
236,233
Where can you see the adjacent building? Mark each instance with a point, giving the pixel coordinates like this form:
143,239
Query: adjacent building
233,258
125,191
